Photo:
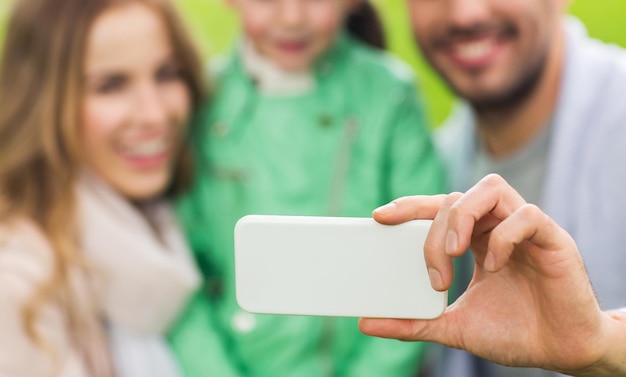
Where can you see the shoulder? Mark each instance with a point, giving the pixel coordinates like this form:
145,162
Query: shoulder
225,68
377,82
594,85
590,109
25,264
578,36
220,65
600,66
25,253
454,140
376,65
455,129
229,84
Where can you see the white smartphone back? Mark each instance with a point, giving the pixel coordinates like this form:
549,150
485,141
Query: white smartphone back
330,266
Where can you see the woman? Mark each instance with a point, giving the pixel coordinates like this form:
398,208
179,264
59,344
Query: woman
95,100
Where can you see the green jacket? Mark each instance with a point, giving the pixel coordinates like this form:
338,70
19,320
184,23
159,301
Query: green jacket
357,141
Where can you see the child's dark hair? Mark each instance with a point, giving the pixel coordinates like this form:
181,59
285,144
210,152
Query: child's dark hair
365,24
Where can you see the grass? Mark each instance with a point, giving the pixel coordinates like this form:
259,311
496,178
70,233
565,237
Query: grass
215,27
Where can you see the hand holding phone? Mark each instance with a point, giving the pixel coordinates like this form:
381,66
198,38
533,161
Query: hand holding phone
332,266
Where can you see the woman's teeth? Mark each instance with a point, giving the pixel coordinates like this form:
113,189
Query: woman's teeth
147,148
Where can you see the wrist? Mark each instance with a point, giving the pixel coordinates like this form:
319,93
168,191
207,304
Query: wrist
613,360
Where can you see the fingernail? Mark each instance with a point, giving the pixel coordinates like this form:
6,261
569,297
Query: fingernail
490,262
435,279
386,209
452,242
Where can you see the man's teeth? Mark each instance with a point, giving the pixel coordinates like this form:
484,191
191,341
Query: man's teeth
474,50
147,149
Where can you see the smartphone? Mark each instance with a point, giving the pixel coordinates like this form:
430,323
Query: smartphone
334,266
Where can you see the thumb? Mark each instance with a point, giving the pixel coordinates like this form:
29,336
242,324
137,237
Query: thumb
402,329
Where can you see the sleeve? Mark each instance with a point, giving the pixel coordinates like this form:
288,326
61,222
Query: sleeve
197,341
386,357
20,275
411,166
198,345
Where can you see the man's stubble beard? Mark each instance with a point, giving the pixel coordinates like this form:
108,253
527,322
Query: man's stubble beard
509,97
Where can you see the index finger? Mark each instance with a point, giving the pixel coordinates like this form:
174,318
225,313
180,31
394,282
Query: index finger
409,208
491,195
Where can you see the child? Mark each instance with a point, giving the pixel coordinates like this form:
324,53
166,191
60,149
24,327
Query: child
93,268
306,120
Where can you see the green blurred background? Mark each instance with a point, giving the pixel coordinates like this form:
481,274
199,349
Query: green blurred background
215,27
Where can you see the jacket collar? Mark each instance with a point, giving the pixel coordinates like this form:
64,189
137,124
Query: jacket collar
325,66
269,78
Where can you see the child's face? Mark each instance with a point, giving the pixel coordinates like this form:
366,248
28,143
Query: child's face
292,33
136,103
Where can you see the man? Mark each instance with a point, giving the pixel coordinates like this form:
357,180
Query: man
544,108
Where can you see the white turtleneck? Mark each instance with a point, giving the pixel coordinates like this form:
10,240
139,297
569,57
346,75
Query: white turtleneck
272,80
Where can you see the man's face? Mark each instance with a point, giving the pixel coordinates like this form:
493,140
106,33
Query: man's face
491,52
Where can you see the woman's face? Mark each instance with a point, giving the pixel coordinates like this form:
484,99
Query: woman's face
292,33
136,102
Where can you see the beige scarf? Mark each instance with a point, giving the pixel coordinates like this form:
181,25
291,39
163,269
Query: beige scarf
143,273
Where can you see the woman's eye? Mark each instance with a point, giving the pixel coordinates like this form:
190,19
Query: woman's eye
169,73
111,85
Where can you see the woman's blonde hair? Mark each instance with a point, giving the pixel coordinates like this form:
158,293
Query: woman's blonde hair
41,91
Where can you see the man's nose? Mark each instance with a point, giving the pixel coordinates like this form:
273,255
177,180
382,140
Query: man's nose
468,13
